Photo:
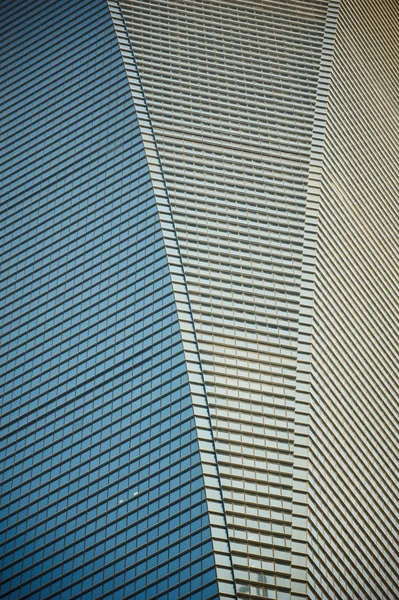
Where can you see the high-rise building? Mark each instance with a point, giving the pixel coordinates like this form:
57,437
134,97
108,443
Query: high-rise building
200,299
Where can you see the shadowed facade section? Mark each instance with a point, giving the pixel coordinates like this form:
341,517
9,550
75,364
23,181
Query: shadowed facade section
103,490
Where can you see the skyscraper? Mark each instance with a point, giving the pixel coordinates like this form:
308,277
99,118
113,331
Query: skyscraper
200,298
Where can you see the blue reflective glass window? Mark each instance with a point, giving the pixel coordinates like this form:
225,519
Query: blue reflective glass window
101,463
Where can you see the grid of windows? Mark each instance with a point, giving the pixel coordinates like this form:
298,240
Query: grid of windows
103,489
200,300
231,90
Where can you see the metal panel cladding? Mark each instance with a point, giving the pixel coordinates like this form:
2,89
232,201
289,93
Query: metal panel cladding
354,488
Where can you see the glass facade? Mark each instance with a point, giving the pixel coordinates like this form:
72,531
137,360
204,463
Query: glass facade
199,227
103,489
232,91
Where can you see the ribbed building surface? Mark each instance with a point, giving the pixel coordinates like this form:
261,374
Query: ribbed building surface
354,517
200,300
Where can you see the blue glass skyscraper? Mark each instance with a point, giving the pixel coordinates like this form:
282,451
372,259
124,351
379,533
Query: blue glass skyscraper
199,299
103,488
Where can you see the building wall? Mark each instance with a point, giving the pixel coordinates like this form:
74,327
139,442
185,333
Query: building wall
231,89
354,426
200,291
103,490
